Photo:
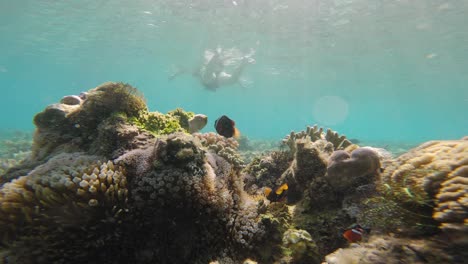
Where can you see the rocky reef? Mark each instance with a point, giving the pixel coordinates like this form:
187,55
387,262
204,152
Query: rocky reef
108,181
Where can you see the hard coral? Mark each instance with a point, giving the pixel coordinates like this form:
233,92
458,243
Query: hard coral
13,151
431,181
323,221
187,212
308,163
179,210
64,205
112,97
276,219
300,247
316,133
182,116
265,171
158,123
168,199
320,209
224,147
115,136
74,127
452,205
216,142
346,171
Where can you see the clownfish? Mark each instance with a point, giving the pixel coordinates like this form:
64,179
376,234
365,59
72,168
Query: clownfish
279,195
355,232
226,127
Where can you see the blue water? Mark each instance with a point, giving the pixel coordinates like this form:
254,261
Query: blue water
373,70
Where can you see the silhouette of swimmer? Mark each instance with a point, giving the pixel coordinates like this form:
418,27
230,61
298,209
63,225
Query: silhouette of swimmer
213,73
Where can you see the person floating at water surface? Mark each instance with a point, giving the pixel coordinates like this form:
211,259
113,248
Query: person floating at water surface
220,68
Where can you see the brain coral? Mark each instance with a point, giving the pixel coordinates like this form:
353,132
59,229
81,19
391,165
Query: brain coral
452,205
436,170
345,170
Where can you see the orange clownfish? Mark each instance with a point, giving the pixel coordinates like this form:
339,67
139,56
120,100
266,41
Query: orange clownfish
226,127
355,232
279,195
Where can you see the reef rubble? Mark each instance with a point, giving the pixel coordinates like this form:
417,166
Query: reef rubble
108,181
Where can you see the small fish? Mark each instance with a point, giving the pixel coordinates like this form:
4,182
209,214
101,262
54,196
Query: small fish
226,127
355,232
279,195
431,55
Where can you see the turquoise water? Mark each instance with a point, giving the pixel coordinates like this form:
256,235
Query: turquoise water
393,71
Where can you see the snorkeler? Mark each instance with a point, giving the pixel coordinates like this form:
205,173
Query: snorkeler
209,72
220,68
214,74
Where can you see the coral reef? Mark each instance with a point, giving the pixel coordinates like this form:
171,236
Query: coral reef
165,198
309,162
276,219
110,182
14,149
264,171
347,171
326,203
217,142
157,123
452,205
72,128
322,206
206,214
339,142
300,247
222,146
16,146
180,209
323,223
430,181
385,249
162,124
316,133
63,210
258,145
109,120
248,151
182,117
421,196
317,207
